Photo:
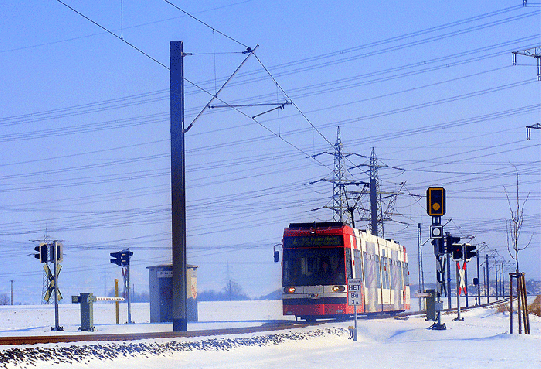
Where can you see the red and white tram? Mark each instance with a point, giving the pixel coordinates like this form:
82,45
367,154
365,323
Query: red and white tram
319,259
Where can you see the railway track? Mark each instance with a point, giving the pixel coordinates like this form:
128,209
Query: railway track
95,337
268,327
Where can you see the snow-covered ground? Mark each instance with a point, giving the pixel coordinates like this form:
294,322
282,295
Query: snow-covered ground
482,340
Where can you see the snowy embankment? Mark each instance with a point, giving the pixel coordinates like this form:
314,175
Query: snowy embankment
480,341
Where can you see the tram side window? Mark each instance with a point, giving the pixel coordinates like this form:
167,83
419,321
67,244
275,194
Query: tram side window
357,259
349,269
406,274
400,273
385,272
378,272
365,268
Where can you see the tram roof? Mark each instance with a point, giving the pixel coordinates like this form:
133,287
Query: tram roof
317,225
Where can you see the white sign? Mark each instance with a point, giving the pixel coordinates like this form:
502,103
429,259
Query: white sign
354,292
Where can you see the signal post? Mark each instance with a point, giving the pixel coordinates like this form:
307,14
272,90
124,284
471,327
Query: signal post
51,252
461,253
122,258
354,299
435,207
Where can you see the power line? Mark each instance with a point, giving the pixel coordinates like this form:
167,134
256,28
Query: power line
205,24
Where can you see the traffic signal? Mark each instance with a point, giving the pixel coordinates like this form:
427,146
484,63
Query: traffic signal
469,251
439,248
436,231
121,258
435,201
57,251
450,241
41,252
456,250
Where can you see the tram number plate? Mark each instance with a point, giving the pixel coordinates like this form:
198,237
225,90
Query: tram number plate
354,292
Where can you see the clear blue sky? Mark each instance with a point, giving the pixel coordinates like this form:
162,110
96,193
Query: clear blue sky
85,129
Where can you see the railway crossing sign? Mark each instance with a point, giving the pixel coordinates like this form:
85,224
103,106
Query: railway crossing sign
52,280
461,278
354,292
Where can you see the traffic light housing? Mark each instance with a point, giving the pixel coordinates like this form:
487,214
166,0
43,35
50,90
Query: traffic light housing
436,231
121,258
435,201
470,251
452,246
41,252
456,250
57,251
439,248
450,241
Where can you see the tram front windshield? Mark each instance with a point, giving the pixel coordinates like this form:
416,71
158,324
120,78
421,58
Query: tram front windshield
313,267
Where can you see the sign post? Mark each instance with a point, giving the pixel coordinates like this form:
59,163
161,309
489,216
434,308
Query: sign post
354,299
460,286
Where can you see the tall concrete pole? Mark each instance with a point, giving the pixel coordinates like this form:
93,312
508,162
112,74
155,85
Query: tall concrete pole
178,186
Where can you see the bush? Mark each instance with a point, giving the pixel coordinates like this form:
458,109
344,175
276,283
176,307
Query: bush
534,308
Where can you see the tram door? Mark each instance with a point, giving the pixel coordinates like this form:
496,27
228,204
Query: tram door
371,270
396,280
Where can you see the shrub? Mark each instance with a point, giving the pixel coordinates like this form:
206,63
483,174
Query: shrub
534,308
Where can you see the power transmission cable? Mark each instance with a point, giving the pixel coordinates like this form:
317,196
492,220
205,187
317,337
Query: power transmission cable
215,96
250,52
205,24
343,59
192,83
294,104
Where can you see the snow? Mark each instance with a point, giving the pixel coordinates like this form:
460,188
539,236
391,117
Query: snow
482,340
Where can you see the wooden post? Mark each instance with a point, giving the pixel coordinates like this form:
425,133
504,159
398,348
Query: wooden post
116,303
519,298
510,303
522,300
524,296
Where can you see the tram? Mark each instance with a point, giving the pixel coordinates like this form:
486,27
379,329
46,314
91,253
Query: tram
318,260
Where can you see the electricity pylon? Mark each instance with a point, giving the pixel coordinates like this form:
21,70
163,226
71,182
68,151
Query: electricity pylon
345,201
343,211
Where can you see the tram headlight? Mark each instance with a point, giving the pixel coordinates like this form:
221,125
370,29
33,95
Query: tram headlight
289,289
338,288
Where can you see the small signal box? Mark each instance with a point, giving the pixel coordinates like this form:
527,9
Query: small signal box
435,201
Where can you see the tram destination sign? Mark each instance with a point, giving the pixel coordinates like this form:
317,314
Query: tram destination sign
294,242
354,292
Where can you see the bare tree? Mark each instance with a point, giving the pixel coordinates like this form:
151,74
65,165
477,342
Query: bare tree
514,225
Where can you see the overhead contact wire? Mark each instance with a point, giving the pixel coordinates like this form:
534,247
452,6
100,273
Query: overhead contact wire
205,24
